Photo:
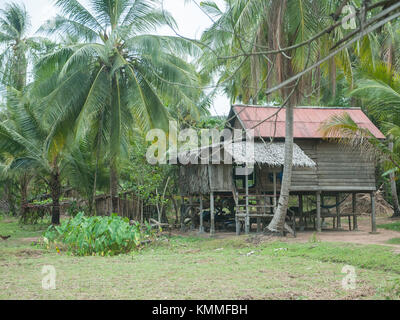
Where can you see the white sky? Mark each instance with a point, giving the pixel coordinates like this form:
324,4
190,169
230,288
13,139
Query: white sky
190,19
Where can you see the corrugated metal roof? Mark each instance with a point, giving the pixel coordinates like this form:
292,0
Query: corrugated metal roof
307,120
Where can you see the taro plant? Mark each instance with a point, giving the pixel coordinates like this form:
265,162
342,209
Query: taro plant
84,236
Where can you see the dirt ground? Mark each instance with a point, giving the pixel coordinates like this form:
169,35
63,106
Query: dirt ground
362,236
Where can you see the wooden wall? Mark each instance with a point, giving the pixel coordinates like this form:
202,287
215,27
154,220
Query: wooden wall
342,168
306,179
338,168
221,177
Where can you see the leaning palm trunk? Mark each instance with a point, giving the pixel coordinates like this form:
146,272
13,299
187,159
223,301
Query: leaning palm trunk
278,222
55,190
393,186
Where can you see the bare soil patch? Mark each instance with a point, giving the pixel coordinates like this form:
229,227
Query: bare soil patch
28,253
362,236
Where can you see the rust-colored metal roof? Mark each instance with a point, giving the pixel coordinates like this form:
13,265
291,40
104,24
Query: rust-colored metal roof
307,120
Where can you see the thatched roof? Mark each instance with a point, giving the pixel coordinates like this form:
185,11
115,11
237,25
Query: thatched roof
269,153
272,154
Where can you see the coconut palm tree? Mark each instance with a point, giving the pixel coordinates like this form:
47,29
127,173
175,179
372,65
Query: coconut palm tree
257,26
16,46
118,75
27,144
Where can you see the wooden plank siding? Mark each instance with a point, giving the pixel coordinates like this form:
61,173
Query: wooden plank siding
306,179
221,177
338,169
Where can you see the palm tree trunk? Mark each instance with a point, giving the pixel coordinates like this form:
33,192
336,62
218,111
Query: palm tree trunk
393,186
114,187
24,182
20,67
10,198
55,191
115,143
278,222
333,75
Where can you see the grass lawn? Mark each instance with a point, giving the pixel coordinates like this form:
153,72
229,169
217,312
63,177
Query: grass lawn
390,226
199,268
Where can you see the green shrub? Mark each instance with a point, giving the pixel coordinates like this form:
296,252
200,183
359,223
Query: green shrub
85,236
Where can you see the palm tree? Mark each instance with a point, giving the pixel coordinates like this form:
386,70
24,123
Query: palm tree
27,144
16,49
118,75
256,26
16,46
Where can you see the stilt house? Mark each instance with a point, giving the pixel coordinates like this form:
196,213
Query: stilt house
321,169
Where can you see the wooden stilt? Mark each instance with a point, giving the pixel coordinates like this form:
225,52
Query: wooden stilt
201,229
182,217
191,213
319,229
212,215
301,222
339,222
247,222
373,213
355,224
237,225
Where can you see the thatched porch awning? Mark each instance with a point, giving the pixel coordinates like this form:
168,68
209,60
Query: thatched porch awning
268,153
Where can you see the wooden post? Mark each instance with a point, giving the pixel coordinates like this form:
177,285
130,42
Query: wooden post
191,213
201,230
124,207
301,222
237,219
373,213
355,224
182,211
212,217
319,211
247,222
259,229
338,219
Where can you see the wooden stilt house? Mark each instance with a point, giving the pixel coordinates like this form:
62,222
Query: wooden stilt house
250,184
